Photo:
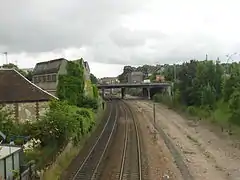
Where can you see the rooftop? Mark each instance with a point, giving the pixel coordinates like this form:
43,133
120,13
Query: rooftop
7,150
14,87
48,67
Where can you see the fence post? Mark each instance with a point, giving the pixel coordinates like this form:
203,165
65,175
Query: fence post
154,115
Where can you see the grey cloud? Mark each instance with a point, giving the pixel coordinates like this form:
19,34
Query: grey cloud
36,26
57,26
124,37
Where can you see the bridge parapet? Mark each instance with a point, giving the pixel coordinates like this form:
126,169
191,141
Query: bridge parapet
140,85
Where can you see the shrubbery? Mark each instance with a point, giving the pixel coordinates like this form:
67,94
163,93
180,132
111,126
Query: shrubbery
88,102
67,119
206,89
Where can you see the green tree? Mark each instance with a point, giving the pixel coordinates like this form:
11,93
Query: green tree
93,78
71,86
234,105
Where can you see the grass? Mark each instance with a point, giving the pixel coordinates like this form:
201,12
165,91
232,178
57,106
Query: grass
61,163
221,114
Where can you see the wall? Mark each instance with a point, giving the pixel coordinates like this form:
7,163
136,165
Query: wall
23,112
45,83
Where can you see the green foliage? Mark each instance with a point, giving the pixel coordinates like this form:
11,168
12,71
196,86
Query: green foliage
93,78
234,106
71,86
88,88
7,125
88,102
205,88
95,91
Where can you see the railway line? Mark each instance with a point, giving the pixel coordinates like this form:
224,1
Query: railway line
87,168
131,163
92,165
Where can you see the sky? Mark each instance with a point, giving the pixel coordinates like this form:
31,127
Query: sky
112,33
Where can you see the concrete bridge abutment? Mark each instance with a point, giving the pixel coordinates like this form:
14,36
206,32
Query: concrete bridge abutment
123,93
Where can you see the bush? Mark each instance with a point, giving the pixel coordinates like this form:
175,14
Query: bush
7,124
95,91
234,106
88,102
163,98
61,123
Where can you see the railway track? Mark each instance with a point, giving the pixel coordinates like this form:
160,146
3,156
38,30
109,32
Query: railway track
89,167
131,162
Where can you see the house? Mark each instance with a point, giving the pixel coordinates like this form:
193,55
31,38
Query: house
135,77
160,78
108,80
24,99
45,74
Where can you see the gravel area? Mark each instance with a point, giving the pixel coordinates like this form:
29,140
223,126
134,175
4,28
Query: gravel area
207,155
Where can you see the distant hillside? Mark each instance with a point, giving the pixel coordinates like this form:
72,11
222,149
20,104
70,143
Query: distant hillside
166,70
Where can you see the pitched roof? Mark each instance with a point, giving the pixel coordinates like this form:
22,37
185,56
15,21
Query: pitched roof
14,87
48,67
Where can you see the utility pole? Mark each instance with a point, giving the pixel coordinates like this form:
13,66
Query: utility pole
229,57
154,115
6,56
175,73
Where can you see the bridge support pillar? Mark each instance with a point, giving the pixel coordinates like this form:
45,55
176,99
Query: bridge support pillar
122,92
103,92
169,91
148,93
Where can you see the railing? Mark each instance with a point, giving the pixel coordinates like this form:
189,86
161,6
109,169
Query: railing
28,171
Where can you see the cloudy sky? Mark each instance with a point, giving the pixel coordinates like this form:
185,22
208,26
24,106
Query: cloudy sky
112,33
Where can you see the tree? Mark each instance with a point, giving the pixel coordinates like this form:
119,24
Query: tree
234,105
93,78
29,75
71,85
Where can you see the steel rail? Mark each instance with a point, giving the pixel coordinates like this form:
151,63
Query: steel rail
94,146
124,148
138,143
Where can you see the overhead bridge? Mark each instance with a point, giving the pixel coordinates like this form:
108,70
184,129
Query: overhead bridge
140,85
144,86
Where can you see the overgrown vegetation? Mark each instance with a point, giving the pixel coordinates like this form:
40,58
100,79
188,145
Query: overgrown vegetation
206,89
69,119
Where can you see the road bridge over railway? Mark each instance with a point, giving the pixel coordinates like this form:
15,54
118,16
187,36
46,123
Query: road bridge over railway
145,86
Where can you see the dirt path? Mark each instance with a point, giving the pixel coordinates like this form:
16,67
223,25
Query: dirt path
207,156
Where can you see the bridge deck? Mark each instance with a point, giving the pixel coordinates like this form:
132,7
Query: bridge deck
149,85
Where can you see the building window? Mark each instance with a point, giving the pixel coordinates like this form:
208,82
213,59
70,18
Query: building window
44,77
48,77
54,77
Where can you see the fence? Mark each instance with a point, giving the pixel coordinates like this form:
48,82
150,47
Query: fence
28,172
